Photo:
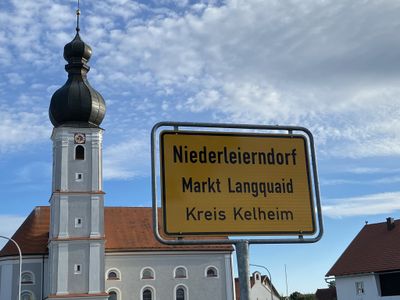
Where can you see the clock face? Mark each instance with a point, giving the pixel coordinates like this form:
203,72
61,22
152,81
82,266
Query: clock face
79,138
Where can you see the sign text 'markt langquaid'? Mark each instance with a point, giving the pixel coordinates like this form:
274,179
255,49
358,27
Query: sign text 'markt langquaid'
235,183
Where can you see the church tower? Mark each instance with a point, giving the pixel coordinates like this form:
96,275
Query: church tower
76,236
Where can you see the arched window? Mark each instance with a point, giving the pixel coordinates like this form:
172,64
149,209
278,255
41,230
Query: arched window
27,295
181,293
113,275
113,295
147,294
212,272
180,272
80,152
147,273
27,278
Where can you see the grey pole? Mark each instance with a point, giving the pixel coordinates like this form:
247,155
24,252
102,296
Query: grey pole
242,256
20,264
269,273
287,289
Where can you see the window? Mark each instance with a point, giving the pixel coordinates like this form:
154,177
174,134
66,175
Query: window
77,269
147,273
359,288
181,293
212,272
113,295
27,278
27,295
78,222
147,294
180,272
113,275
78,176
79,152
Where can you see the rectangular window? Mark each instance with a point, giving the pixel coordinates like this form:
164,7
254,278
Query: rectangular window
78,177
77,269
78,222
359,287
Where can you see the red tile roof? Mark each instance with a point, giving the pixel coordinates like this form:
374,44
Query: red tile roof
374,249
32,236
133,231
126,229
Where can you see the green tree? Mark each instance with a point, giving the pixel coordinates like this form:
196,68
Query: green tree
295,296
299,296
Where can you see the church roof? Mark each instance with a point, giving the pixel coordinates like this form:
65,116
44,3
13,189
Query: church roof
127,229
77,101
376,248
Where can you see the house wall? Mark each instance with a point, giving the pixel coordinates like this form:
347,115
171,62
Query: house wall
346,288
260,290
198,285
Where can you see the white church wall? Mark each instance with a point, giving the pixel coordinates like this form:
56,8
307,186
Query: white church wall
9,273
198,285
6,283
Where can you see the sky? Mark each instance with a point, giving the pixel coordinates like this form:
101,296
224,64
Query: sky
332,66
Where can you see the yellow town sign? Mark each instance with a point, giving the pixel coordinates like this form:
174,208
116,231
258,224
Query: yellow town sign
236,184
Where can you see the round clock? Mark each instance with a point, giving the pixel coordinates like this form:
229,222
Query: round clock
79,138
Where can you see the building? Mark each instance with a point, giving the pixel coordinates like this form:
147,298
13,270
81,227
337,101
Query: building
326,294
370,266
77,249
260,288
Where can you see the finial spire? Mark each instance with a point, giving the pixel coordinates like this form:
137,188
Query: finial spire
78,13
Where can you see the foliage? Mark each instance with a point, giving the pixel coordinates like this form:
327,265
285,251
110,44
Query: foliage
331,284
300,296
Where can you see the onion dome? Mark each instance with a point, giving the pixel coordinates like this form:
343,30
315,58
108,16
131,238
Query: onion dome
76,103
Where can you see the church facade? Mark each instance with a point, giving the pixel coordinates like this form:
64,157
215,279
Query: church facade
76,248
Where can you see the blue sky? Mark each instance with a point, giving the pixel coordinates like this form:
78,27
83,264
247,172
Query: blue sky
330,66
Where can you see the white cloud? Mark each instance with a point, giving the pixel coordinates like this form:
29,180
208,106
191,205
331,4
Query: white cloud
33,171
128,159
311,64
371,170
382,203
380,181
323,65
15,78
19,129
9,224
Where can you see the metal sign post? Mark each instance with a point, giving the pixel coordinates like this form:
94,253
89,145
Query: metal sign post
242,256
235,180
